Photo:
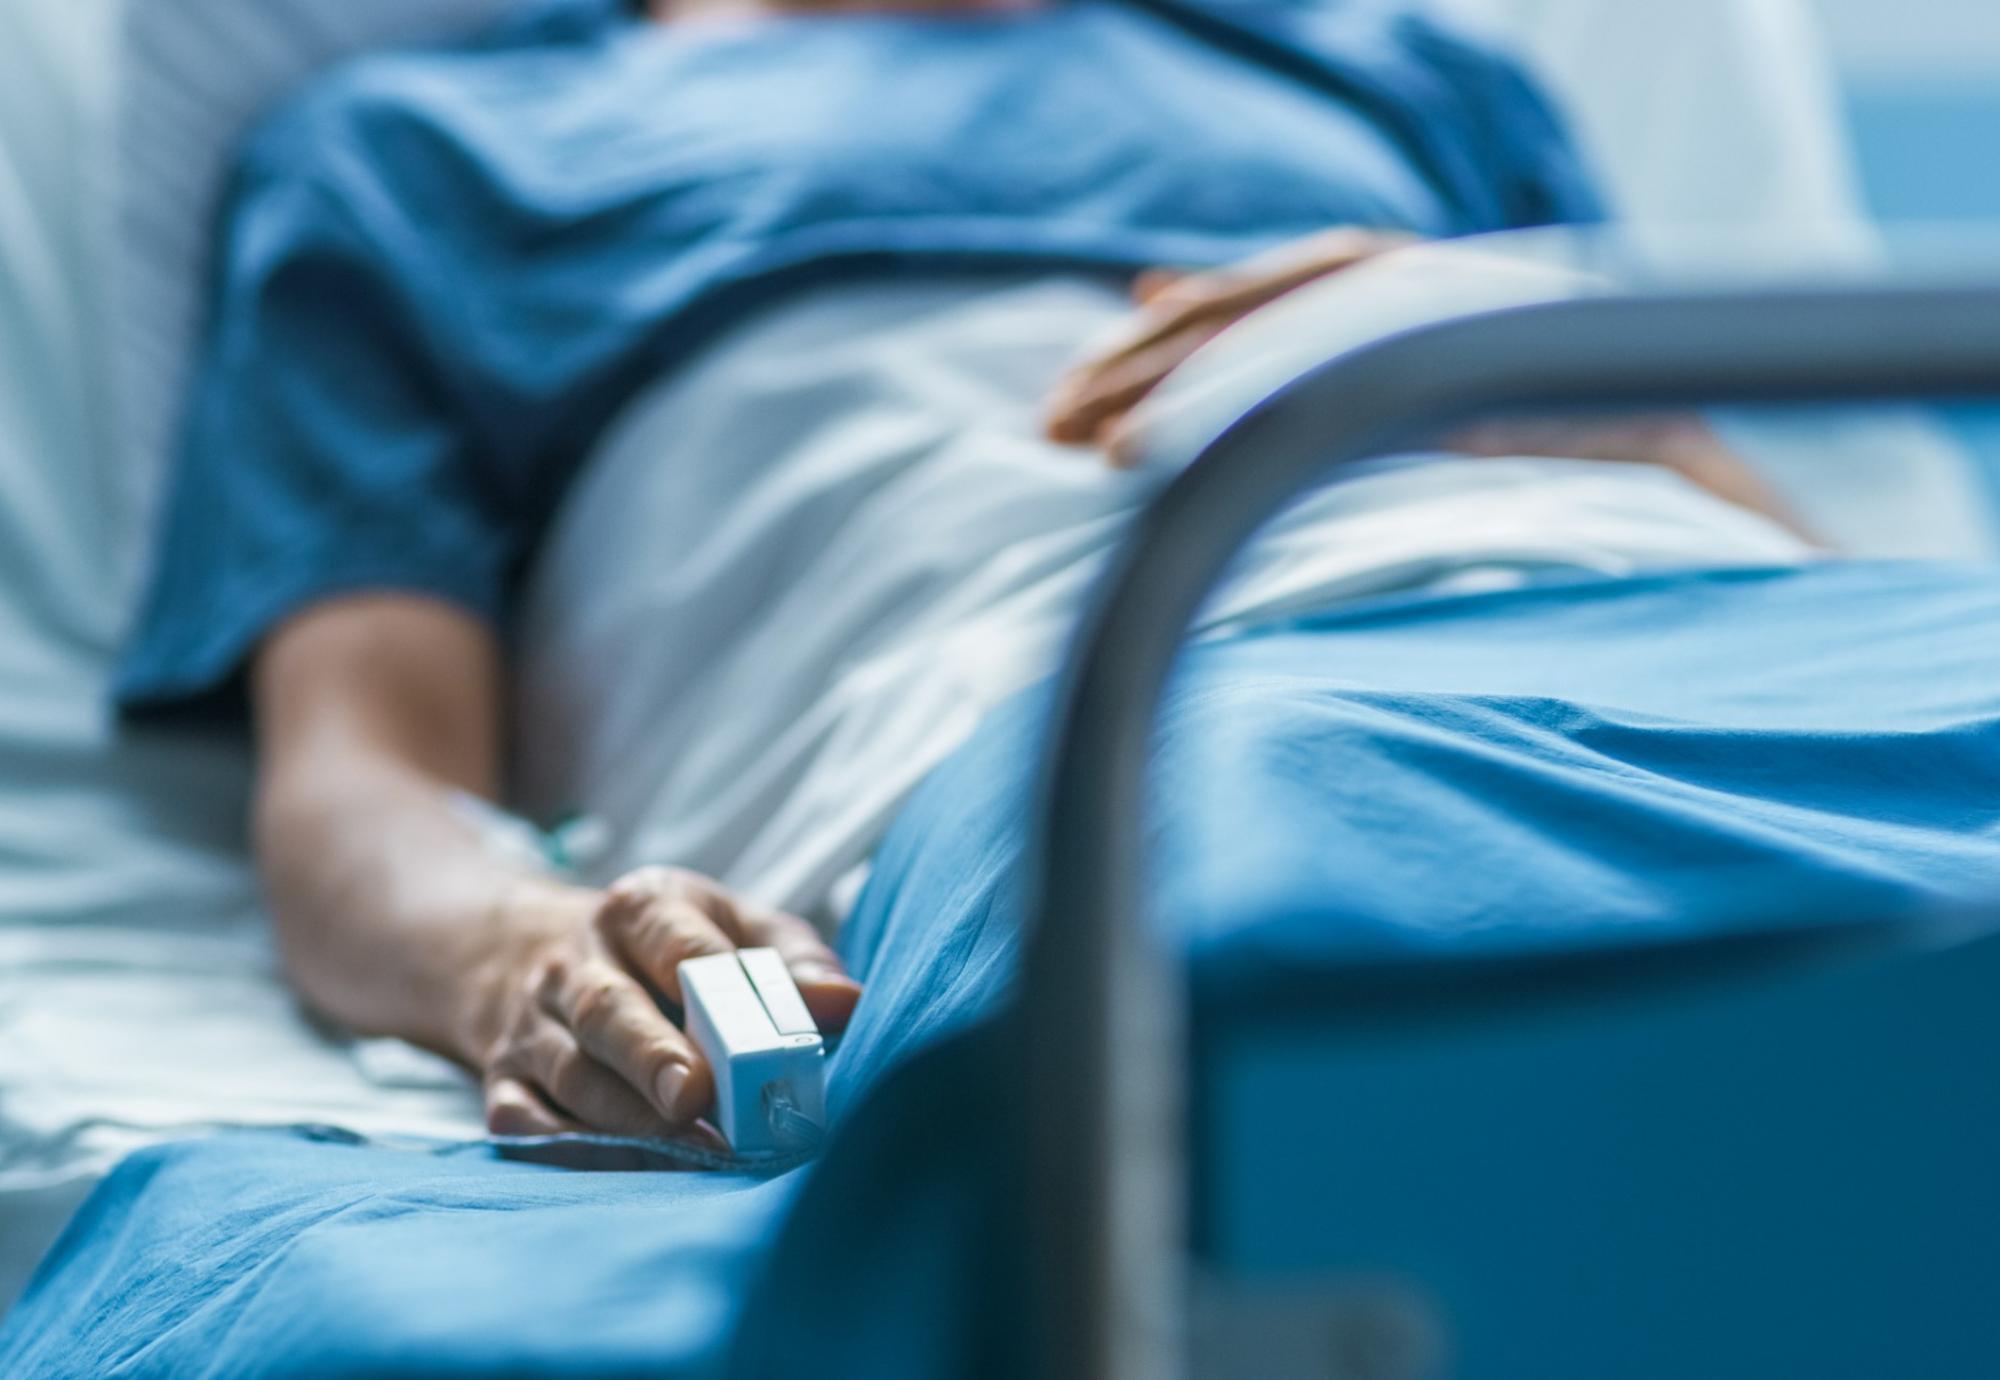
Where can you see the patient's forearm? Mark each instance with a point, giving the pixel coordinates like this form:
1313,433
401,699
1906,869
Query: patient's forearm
371,713
394,919
1681,442
387,908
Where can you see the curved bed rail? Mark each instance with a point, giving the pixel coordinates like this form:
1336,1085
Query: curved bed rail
1105,1047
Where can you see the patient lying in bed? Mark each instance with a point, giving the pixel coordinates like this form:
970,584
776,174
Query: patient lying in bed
820,290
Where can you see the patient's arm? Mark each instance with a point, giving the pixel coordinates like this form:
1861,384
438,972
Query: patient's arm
1680,441
1178,313
394,919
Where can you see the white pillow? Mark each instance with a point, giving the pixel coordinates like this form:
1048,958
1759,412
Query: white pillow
194,76
55,442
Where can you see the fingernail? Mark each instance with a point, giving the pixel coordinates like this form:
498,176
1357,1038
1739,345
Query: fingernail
670,1085
818,972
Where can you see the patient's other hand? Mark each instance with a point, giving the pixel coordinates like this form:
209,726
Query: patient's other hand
565,1027
1178,314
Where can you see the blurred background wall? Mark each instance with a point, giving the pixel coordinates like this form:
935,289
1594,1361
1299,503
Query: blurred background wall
1923,84
1922,81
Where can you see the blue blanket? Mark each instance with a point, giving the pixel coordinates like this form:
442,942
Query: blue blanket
1558,769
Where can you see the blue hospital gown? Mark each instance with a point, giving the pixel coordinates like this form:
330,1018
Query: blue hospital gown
442,272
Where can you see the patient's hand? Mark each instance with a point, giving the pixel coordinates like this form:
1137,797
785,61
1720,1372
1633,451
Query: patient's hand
1178,314
565,1026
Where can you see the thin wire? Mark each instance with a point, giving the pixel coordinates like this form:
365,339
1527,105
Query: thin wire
791,1127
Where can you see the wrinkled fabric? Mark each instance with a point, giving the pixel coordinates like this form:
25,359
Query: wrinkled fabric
1583,764
443,272
1556,770
746,668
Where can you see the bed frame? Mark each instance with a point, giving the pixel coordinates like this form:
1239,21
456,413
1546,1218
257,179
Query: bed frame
1108,1051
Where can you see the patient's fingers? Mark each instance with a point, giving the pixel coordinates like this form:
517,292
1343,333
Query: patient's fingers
1123,441
659,917
1175,302
1106,396
616,1022
1180,312
1179,320
829,993
578,1085
513,1109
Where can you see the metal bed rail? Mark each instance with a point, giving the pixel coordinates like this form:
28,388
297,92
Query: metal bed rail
1106,1050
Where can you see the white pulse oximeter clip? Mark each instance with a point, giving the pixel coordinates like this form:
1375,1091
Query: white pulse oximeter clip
769,1061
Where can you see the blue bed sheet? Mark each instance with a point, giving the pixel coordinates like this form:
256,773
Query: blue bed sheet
1551,770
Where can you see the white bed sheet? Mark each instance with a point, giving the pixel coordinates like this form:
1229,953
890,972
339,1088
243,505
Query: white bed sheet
137,990
744,661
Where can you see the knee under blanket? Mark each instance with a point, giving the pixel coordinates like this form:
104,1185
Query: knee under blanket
1559,768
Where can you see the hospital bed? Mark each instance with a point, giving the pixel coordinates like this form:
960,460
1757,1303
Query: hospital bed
89,877
1107,1048
1733,1151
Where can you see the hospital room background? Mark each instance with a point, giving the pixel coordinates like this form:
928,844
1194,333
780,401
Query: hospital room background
139,999
1922,98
